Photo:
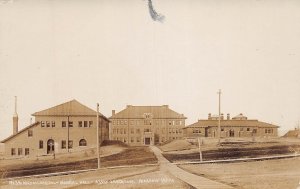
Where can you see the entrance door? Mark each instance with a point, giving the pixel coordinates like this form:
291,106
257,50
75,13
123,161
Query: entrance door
231,133
50,146
147,141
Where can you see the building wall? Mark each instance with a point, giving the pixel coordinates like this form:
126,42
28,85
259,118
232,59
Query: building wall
231,131
134,131
58,134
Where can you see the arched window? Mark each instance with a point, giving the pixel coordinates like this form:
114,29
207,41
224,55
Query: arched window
82,142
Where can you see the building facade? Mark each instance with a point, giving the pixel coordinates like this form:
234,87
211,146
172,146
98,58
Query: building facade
146,125
68,127
238,126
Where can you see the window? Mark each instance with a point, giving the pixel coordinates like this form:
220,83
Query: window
47,123
42,124
248,129
121,131
196,131
242,129
114,131
41,144
163,139
70,144
63,144
79,123
30,133
114,122
268,130
117,131
138,139
254,131
132,131
132,139
138,131
85,123
170,123
125,122
90,123
20,151
124,131
82,142
53,123
222,129
13,151
63,124
70,123
26,151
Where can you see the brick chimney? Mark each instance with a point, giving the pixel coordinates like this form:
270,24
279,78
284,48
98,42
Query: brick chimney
209,116
15,119
228,116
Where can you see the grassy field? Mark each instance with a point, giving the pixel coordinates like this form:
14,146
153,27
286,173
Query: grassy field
128,156
230,148
275,174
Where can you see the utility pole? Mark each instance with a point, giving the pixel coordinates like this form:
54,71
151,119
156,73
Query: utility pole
98,150
219,121
199,145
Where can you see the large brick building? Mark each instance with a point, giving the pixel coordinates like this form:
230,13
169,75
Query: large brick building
68,127
146,125
238,126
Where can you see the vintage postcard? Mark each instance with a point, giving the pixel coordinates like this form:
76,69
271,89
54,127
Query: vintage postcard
150,94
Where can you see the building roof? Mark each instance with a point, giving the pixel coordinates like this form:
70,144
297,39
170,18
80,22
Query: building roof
21,131
157,112
71,108
233,123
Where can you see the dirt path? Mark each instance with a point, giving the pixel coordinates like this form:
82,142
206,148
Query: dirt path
193,180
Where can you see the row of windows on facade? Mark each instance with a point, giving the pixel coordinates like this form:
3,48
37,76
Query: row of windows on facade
241,129
124,131
20,151
82,142
64,124
146,122
132,139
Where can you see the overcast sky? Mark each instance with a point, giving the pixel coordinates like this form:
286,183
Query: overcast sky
112,52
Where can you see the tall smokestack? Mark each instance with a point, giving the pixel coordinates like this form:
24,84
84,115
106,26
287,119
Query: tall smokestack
15,118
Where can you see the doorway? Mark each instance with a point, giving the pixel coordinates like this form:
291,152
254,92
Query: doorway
50,146
147,141
231,133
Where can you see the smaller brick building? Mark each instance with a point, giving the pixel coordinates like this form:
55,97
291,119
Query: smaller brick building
238,126
64,128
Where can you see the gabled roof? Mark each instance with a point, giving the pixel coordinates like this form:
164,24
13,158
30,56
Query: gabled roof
71,108
234,123
21,131
157,112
